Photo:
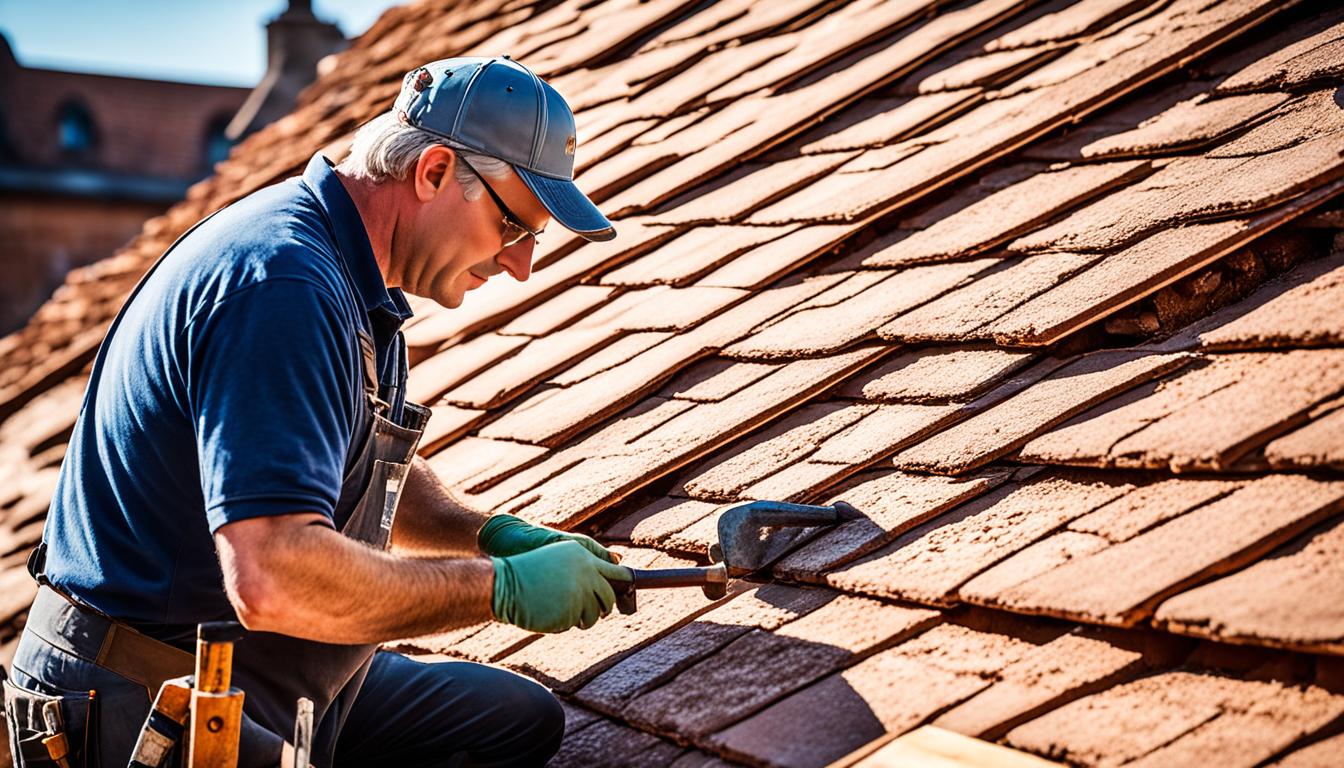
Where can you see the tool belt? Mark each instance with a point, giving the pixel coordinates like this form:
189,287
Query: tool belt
55,730
82,632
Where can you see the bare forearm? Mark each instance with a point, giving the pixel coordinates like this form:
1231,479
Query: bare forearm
431,520
320,585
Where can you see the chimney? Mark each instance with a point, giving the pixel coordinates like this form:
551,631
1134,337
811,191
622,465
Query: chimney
296,41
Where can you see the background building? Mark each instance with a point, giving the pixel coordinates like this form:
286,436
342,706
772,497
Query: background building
85,159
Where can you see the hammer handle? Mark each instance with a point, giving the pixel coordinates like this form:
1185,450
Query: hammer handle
712,579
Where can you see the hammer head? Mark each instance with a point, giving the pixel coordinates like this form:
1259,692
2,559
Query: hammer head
753,536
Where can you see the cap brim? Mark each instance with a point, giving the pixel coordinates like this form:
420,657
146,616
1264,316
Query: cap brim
568,205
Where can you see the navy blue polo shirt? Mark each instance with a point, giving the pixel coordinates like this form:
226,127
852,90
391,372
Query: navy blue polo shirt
228,390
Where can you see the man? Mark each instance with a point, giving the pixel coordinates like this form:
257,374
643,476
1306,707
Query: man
245,446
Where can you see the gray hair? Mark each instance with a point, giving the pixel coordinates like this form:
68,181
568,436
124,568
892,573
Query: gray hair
385,148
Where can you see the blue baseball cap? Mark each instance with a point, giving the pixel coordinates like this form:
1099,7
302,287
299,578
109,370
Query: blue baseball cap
500,108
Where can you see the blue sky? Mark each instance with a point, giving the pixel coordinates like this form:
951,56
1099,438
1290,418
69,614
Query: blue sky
205,41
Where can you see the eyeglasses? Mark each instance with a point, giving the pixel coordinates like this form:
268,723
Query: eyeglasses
514,229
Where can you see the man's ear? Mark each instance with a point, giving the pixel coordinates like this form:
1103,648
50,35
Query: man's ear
434,172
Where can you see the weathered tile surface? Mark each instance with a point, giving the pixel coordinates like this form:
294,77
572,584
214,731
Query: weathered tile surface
1291,598
1006,213
1300,309
930,562
761,666
1013,422
1122,584
1186,125
892,503
826,329
1202,426
1180,718
935,374
1318,444
764,608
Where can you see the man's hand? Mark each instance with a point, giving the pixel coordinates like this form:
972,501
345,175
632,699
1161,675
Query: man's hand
506,535
554,587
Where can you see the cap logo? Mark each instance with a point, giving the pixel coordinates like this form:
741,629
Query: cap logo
423,80
569,145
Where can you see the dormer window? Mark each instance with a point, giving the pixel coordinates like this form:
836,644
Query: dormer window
76,133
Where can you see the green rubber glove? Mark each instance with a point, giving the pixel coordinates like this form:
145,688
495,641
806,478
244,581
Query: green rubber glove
505,535
554,587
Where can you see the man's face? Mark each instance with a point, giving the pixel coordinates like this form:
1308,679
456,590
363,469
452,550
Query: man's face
453,245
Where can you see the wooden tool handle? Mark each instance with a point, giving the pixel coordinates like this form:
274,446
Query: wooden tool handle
712,579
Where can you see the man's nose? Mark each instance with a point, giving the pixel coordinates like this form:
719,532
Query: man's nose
517,258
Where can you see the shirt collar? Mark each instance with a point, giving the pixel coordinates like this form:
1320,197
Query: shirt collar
352,240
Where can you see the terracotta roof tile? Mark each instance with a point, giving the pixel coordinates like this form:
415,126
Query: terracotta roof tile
998,126
1030,561
1187,125
889,427
1286,600
1066,666
710,381
761,666
935,374
782,114
661,308
448,423
838,33
1149,505
1188,189
965,312
623,348
928,564
1201,424
502,300
771,450
1010,424
770,261
1313,115
573,408
653,523
819,330
704,74
750,187
1006,213
1123,583
693,255
1118,280
1299,309
598,482
876,122
892,504
500,382
466,460
762,608
984,70
1315,445
1312,58
890,692
610,744
573,303
1069,22
1320,754
1180,718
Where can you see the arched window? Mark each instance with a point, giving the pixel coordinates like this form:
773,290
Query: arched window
217,143
75,130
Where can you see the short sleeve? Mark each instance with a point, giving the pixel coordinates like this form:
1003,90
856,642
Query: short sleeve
272,386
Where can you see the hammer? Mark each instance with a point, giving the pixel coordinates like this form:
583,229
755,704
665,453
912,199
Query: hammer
744,548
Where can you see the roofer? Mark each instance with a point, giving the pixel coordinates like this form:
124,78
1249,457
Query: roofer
245,442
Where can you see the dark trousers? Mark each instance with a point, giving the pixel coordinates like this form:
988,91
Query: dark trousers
407,714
